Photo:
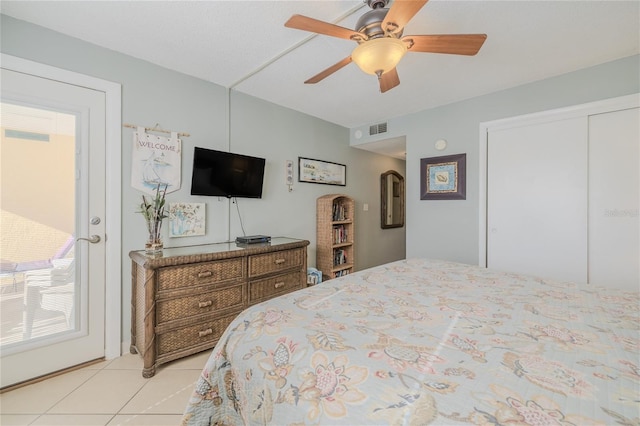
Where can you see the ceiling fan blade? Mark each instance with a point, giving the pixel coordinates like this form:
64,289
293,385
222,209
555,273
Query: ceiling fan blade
400,14
326,73
456,44
389,80
305,23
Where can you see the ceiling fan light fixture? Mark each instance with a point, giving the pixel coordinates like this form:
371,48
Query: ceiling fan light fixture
379,55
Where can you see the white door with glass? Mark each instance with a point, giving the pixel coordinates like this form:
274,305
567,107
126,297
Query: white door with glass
52,226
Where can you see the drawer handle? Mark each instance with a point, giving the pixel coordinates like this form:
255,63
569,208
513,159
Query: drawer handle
204,274
280,284
279,261
205,304
205,332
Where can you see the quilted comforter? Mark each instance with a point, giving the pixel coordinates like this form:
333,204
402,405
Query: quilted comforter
419,342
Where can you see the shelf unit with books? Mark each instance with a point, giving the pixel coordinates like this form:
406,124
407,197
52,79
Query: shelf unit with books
335,231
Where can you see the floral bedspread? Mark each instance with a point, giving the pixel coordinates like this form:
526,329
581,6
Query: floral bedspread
419,342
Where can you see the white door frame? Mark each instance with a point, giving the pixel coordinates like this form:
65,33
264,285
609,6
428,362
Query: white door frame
113,222
591,108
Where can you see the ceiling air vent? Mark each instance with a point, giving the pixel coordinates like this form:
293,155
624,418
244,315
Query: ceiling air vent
377,128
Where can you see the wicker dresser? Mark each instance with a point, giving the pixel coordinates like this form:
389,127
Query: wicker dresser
183,300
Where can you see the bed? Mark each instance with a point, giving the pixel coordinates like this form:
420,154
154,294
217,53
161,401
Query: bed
420,341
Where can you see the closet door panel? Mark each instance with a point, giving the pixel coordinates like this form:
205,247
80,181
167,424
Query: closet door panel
537,199
614,201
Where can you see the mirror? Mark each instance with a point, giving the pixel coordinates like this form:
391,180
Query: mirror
391,200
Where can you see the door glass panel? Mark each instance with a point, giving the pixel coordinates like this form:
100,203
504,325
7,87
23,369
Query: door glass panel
37,225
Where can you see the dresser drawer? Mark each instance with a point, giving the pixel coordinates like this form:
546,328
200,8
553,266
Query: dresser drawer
265,289
198,304
263,264
173,277
193,335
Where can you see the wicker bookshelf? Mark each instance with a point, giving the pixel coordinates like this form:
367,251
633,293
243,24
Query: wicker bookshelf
335,231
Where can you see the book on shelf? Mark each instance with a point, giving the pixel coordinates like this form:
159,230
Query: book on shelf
339,257
339,212
339,234
341,273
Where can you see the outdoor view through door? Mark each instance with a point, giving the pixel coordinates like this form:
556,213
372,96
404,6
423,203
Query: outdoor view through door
52,226
37,215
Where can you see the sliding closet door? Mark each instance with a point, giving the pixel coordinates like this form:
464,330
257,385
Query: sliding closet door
614,202
537,199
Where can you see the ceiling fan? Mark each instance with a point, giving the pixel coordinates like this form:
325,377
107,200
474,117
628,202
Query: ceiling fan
381,44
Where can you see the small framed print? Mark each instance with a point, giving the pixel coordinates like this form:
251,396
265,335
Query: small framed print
186,219
443,178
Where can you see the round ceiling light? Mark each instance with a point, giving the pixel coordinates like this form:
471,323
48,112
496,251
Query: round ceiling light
379,55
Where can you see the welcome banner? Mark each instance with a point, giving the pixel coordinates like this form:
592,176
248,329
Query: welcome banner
156,160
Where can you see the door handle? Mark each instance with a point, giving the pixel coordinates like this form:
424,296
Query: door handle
94,239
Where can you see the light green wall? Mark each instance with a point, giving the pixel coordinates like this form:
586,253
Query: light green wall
279,134
221,120
449,229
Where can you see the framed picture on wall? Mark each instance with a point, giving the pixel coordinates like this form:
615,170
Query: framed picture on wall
443,178
318,171
186,219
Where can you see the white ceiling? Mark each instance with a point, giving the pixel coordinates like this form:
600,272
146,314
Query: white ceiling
245,46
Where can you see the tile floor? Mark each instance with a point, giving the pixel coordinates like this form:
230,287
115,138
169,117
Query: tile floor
109,393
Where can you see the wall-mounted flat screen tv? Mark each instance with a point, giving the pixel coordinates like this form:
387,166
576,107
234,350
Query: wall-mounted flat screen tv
225,174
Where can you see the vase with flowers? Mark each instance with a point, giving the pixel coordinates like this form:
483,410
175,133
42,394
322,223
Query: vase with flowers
153,211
